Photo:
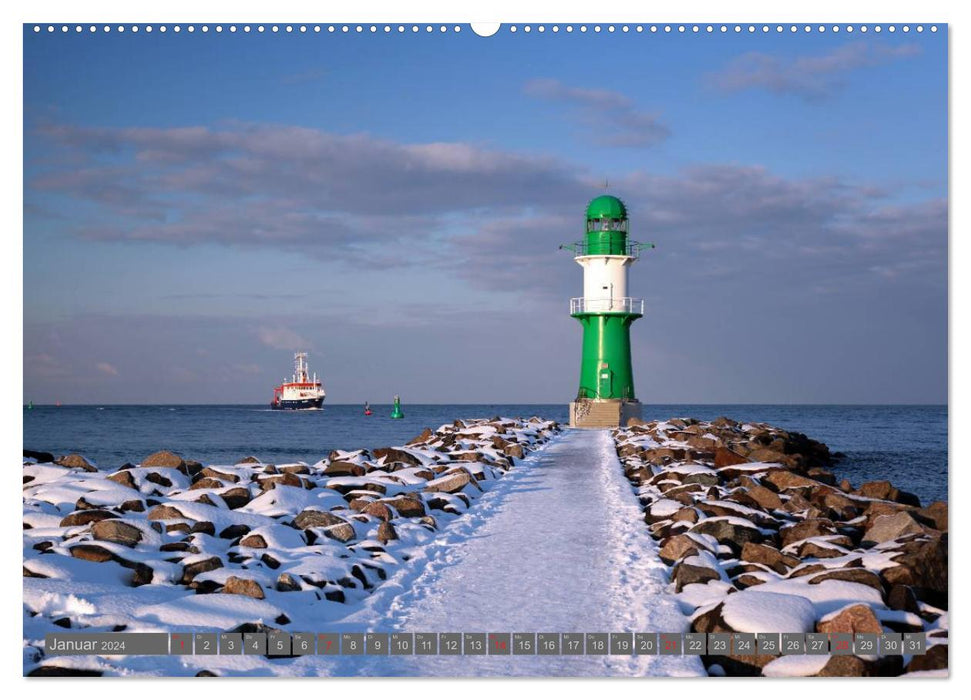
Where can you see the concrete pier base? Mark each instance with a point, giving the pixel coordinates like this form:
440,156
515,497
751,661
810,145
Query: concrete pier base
603,413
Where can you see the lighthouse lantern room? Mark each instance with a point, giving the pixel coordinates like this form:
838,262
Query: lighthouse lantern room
605,311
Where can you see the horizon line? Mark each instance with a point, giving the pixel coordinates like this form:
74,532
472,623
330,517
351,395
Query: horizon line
497,403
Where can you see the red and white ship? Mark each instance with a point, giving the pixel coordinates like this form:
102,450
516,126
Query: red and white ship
302,392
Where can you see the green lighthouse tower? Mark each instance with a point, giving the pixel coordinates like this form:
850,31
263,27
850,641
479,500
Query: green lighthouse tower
606,395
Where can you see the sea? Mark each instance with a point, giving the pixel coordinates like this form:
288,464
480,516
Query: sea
904,444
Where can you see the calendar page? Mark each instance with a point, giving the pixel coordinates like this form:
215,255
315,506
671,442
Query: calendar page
525,349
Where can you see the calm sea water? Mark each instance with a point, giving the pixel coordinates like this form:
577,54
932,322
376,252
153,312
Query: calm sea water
905,444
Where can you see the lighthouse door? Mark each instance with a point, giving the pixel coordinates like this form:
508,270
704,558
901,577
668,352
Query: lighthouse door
605,383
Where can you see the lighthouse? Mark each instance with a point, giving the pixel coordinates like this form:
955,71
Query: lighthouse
606,395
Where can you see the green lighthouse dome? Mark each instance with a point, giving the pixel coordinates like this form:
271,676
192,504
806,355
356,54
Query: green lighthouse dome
606,226
606,207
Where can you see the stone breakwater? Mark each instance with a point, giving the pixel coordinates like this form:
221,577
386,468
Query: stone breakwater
761,537
274,537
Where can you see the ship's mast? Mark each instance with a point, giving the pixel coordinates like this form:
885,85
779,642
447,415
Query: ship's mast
300,367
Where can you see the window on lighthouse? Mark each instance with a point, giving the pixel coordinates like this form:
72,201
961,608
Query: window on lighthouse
607,225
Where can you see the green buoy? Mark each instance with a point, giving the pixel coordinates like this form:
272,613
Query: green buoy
396,410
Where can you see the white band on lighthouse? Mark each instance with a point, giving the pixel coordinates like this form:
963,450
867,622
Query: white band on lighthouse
605,281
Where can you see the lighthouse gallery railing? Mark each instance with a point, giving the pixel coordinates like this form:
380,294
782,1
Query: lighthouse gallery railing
617,305
632,249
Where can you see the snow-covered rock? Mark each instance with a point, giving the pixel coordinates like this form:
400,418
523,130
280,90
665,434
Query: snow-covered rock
173,544
788,550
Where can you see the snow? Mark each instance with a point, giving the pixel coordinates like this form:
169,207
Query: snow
759,611
706,541
687,469
39,521
221,518
823,541
410,477
778,602
213,611
353,456
872,559
665,507
827,596
278,536
941,623
57,605
795,665
291,500
742,510
768,601
178,480
753,467
60,566
558,544
696,595
46,472
481,430
322,568
107,493
707,560
900,616
392,487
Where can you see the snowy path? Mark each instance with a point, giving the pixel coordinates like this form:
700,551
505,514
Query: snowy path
559,546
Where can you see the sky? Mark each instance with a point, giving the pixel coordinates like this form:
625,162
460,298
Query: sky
197,207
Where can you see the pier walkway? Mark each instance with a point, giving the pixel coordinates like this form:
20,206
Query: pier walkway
559,545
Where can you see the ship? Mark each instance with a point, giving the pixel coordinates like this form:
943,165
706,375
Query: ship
301,392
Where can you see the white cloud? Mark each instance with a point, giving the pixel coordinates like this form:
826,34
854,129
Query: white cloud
107,368
612,118
811,77
282,338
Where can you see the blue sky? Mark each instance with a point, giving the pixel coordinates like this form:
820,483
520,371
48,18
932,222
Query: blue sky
199,206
